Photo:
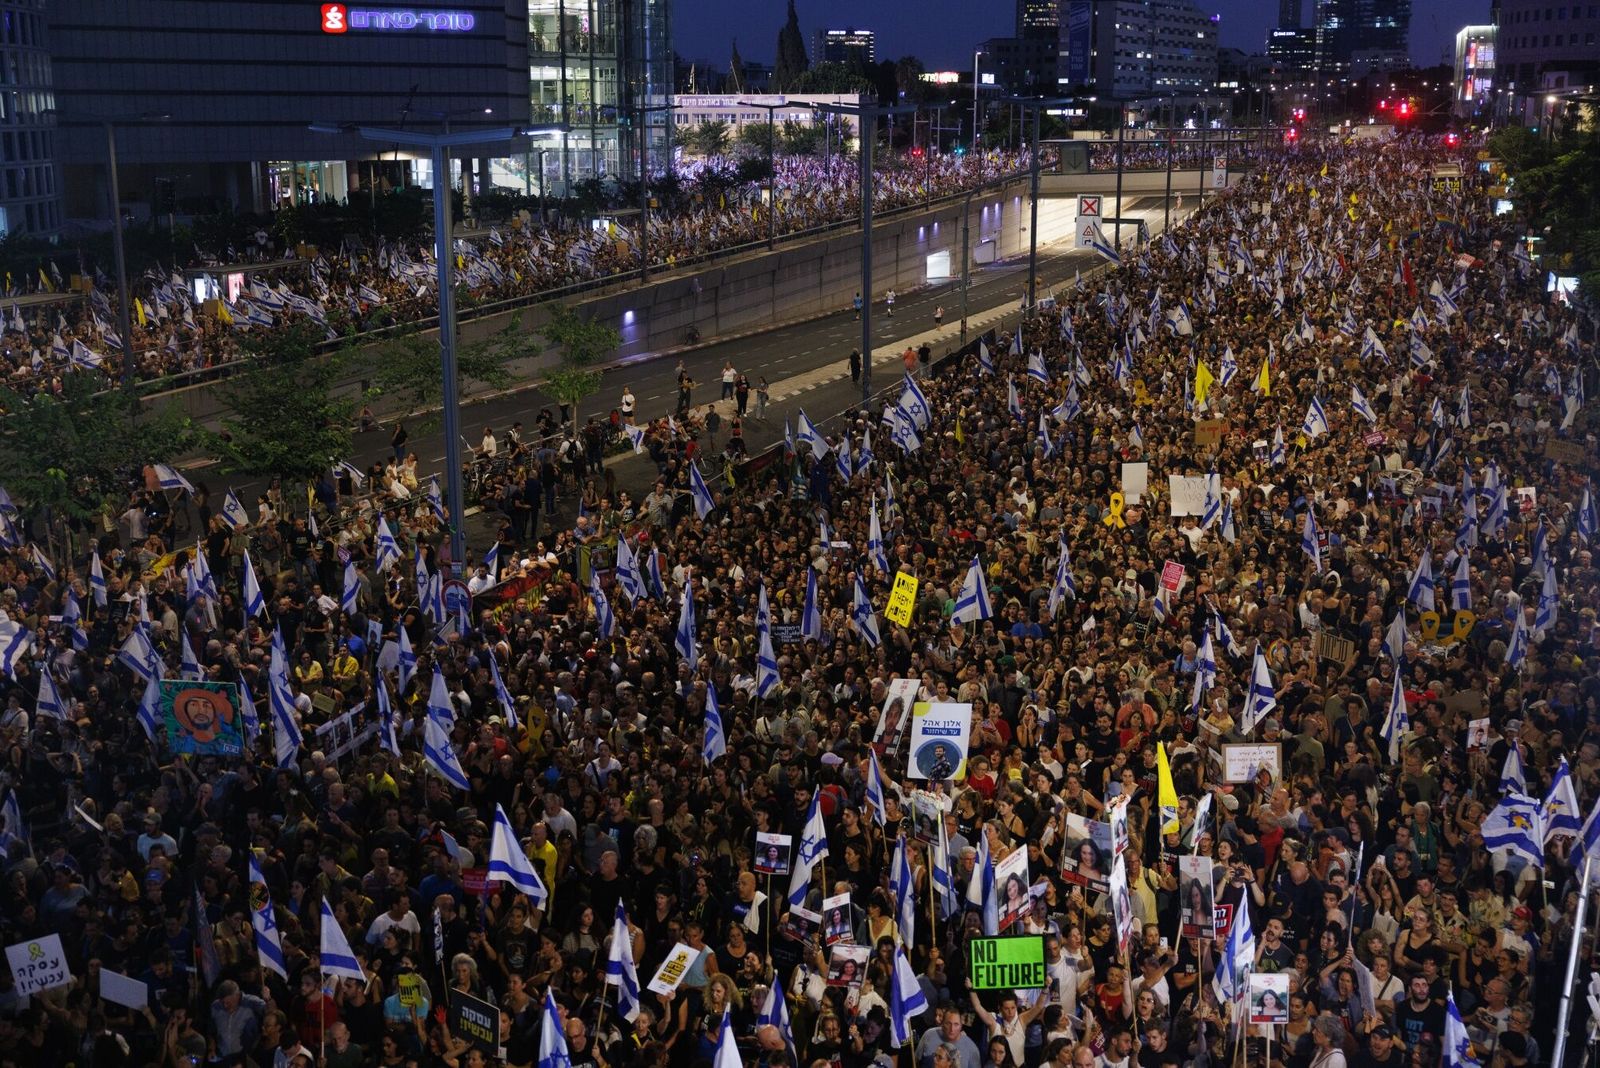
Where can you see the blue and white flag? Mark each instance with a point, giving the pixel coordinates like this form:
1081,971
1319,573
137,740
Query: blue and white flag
985,358
509,863
981,889
169,479
1238,957
621,972
188,664
1211,508
233,512
699,492
808,435
1063,586
1013,402
605,620
876,793
1515,824
1589,837
269,944
1457,1045
862,617
1205,671
1398,721
727,1051
1461,585
97,579
1420,590
627,571
387,549
811,613
1096,239
407,667
1560,812
683,637
1371,346
1230,367
1513,776
1316,420
943,873
972,603
1549,608
906,1000
49,702
352,588
1517,647
1358,404
1310,543
1588,521
388,738
1228,530
714,741
1279,452
1541,552
1395,637
766,659
1036,368
775,1013
440,707
1261,698
335,956
875,549
812,847
149,710
15,824
441,754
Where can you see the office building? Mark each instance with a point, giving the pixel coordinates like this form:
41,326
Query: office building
30,196
239,83
1372,34
1541,46
1128,49
1021,65
1038,19
1289,14
1474,79
852,47
1292,53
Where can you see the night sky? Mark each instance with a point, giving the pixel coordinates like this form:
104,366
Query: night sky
942,33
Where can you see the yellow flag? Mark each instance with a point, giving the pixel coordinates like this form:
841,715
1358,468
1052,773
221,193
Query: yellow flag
138,311
1264,380
223,313
1314,194
1354,199
1166,793
1324,171
961,437
1352,214
1202,382
44,281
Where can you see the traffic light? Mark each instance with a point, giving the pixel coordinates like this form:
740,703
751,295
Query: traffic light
1405,108
916,153
961,150
1299,114
1452,139
1291,135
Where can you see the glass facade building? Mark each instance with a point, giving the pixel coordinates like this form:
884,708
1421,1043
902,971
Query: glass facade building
604,68
30,199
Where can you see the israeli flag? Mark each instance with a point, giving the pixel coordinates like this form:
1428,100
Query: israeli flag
811,614
1457,1045
1229,532
1220,630
620,969
1420,590
985,358
1316,421
97,579
627,571
876,793
1309,542
1205,675
1461,585
1016,342
972,603
699,492
1097,241
766,659
169,479
1560,811
906,999
1230,367
1588,524
49,702
1517,647
652,571
407,669
1262,698
1515,825
1398,720
810,436
813,846
188,664
1238,957
388,549
683,638
1358,404
441,754
981,888
1036,368
1063,586
1279,453
509,863
875,550
1371,346
1549,605
1211,509
336,958
714,743
775,1012
863,618
352,588
136,653
269,944
915,404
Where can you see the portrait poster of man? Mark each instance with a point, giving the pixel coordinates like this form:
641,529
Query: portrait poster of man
939,732
895,715
201,718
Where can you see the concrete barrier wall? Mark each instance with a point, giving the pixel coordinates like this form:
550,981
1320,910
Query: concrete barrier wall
795,282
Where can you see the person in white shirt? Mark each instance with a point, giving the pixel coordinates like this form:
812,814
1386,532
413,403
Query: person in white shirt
1009,1023
399,915
489,446
625,408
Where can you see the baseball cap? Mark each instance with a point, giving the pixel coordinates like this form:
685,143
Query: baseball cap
1382,1031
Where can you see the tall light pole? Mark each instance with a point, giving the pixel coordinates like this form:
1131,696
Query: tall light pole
975,85
772,162
927,150
444,118
867,114
439,146
108,123
644,186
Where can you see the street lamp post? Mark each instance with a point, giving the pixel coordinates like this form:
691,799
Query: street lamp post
439,146
927,152
444,118
867,115
644,187
108,123
772,164
975,56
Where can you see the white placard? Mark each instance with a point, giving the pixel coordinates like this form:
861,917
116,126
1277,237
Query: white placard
1188,493
39,964
1241,762
939,740
121,990
1135,481
674,970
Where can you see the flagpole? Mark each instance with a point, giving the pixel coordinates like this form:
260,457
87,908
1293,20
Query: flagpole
1572,961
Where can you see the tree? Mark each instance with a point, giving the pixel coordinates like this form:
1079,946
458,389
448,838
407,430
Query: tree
287,421
708,139
407,367
833,78
908,72
799,138
74,452
735,70
755,138
792,61
583,343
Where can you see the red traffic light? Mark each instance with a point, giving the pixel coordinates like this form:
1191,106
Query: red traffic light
1291,134
1299,114
1452,139
916,153
1405,108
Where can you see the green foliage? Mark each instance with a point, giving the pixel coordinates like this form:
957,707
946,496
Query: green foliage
833,78
1558,192
791,60
1519,148
583,343
407,367
711,138
84,448
800,138
286,420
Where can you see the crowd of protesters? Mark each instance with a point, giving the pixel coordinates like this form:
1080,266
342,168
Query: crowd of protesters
1097,637
351,290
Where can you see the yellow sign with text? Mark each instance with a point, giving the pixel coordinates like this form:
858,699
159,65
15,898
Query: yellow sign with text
902,599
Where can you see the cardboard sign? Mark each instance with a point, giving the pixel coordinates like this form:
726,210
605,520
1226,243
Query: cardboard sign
1568,452
408,986
39,964
772,853
1012,963
1135,481
1330,646
119,989
1241,762
1478,735
476,1021
1269,998
1188,494
671,974
1210,431
902,599
939,740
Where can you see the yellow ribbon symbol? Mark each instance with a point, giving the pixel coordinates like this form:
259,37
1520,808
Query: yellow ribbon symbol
1461,626
1430,626
1114,518
35,951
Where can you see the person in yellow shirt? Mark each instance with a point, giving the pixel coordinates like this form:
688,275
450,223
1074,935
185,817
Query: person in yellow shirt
346,670
542,852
